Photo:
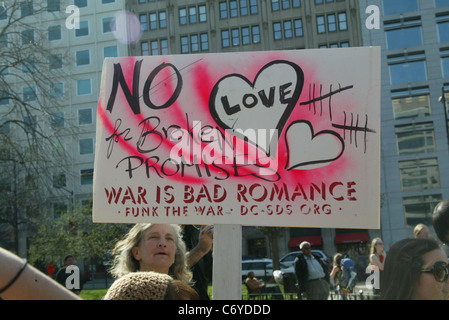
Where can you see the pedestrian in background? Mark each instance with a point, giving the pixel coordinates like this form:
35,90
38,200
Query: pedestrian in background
336,273
415,269
312,274
64,273
421,231
377,259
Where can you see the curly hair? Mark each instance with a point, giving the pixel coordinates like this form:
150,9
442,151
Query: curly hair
124,261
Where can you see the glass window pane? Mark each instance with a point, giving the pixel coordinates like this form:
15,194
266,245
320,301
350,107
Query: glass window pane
419,174
411,107
404,37
408,72
419,209
399,6
415,138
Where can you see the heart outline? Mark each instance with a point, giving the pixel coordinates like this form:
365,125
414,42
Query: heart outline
313,136
285,115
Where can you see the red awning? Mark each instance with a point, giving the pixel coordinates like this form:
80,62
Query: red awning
354,237
314,241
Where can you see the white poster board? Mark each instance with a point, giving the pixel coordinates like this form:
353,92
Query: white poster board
277,138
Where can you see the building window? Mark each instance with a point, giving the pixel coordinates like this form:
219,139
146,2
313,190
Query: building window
85,116
143,21
243,7
109,24
153,21
80,3
82,57
53,5
29,94
144,49
154,47
83,29
331,23
225,40
111,51
182,16
4,98
223,10
184,44
415,138
83,87
403,34
275,5
162,20
441,3
277,31
246,36
55,61
204,38
57,90
421,174
445,66
54,33
59,180
87,176
26,8
320,24
202,14
57,120
342,21
194,43
443,31
411,104
419,209
288,32
86,146
235,34
407,68
233,10
399,6
253,7
164,46
298,28
255,34
27,36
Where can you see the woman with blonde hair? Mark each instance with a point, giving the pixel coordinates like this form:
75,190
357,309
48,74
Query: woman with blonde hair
152,247
377,258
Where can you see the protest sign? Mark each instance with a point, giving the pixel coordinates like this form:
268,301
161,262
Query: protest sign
275,138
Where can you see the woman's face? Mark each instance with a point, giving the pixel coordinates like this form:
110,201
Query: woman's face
379,246
156,251
428,288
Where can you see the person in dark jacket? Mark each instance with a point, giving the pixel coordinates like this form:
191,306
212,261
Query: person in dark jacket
312,274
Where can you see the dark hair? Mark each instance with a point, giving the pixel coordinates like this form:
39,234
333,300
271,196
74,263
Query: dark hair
402,269
67,257
440,220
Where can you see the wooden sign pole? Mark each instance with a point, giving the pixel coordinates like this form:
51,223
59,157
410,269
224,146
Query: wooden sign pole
227,264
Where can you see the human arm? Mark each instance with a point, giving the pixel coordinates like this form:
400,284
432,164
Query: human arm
334,272
31,283
374,260
206,240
